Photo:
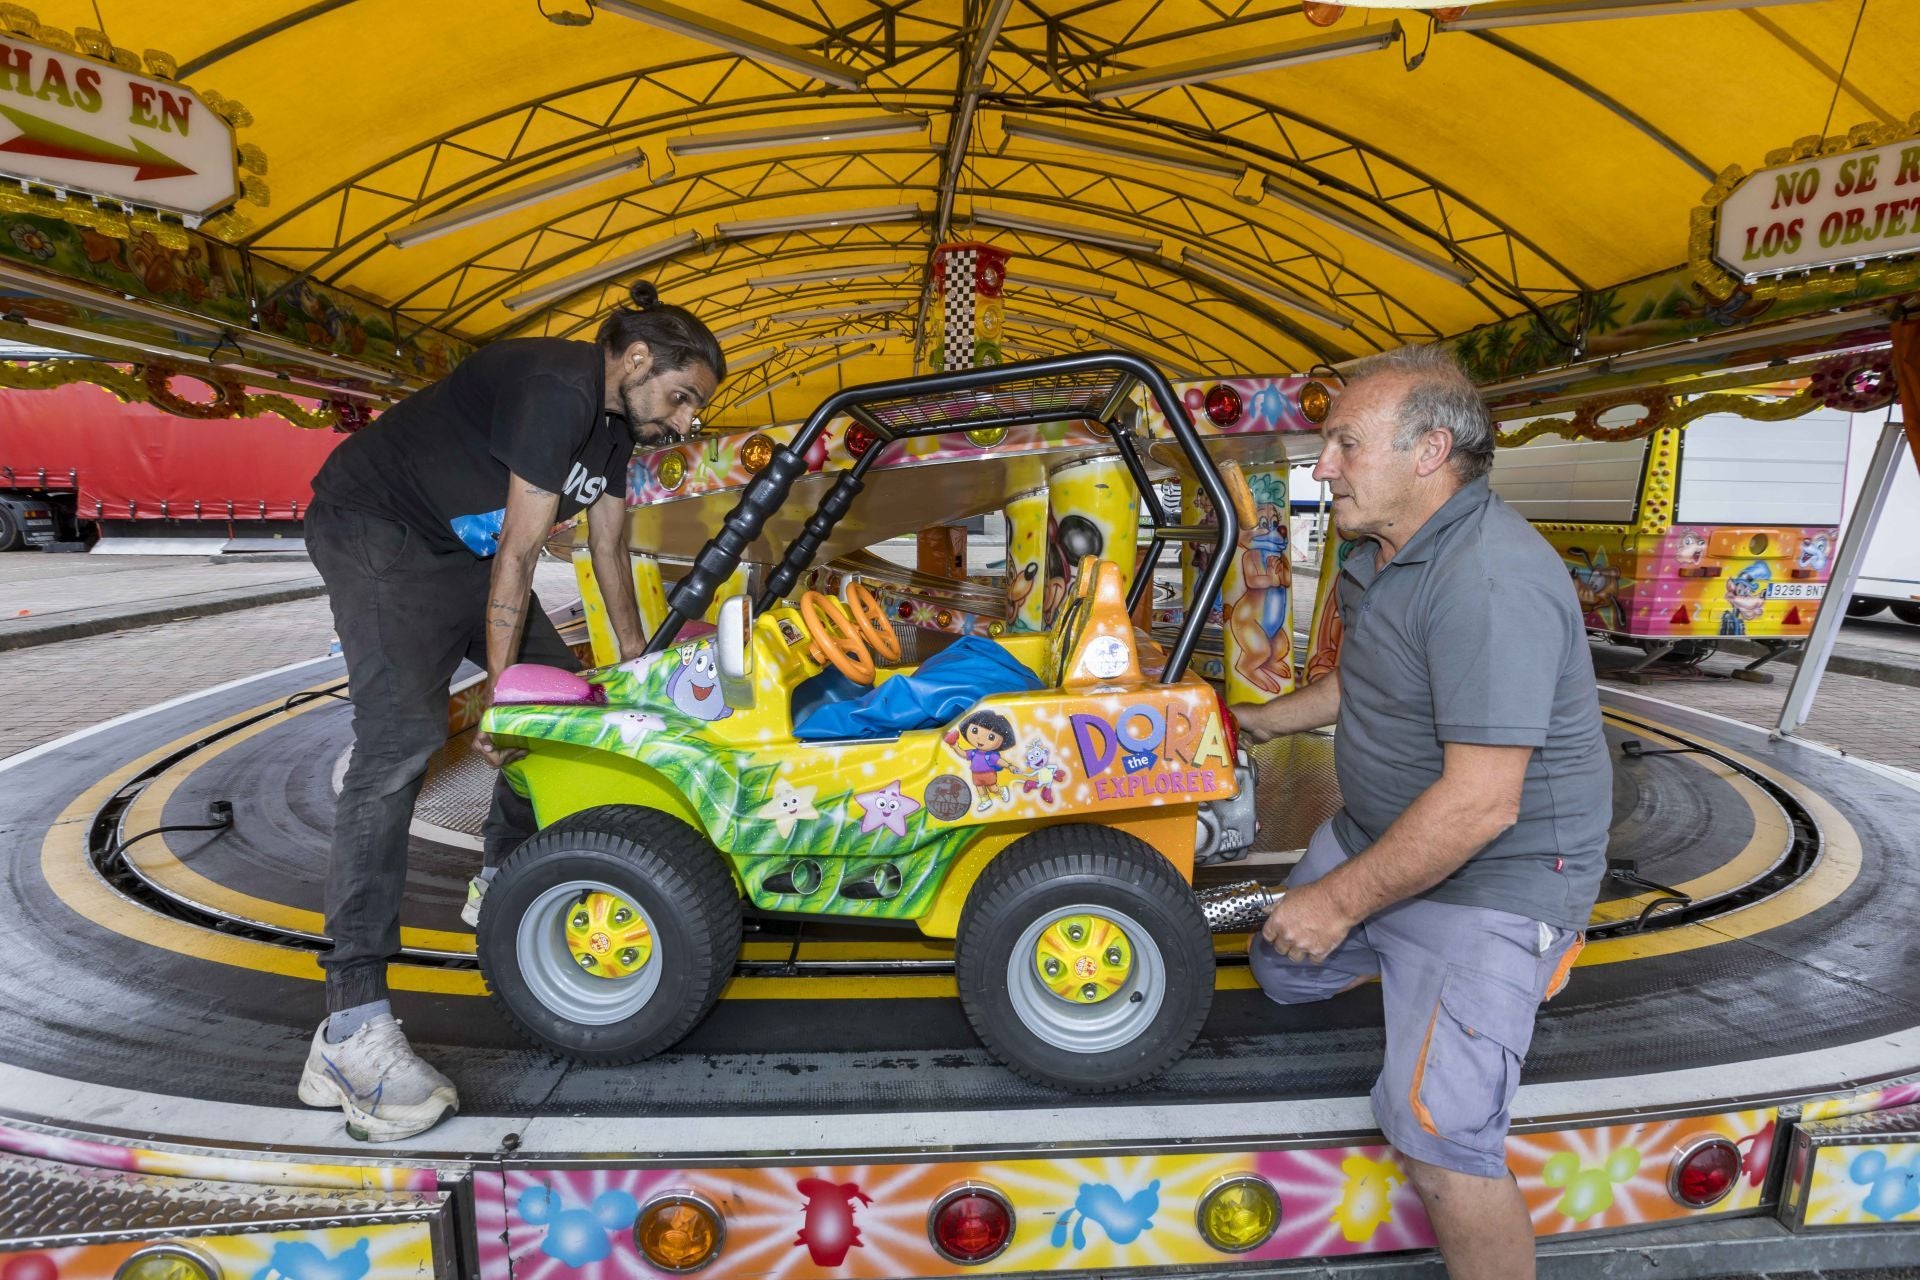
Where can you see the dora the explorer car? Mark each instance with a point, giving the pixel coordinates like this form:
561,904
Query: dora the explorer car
1037,799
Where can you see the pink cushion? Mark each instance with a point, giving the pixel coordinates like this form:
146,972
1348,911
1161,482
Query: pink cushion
528,682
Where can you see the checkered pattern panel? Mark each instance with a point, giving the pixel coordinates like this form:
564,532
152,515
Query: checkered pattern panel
962,283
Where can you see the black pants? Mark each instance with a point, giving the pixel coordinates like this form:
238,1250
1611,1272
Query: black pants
406,615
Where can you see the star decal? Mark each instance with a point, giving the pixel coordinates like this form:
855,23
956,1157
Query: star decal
788,806
885,808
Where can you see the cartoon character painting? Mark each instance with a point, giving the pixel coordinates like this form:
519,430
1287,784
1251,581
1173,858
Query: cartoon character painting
1691,551
1040,772
1746,597
986,734
695,685
1123,1218
1020,581
300,1260
1893,1190
1814,554
1597,583
1259,617
828,1230
1069,540
788,806
1367,1202
887,808
1324,653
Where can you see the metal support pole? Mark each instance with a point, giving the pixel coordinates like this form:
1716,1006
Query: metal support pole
1846,572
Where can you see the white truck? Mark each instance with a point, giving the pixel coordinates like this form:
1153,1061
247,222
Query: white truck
1890,577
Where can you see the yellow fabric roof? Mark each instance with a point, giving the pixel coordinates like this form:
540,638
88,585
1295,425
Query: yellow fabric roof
1549,157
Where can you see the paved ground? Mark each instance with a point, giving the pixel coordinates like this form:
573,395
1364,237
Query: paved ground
45,586
1868,718
53,689
57,597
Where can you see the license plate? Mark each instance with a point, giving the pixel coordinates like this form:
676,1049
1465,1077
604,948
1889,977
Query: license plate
1797,591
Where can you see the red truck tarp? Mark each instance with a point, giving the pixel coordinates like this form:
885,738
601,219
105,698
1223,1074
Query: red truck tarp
134,458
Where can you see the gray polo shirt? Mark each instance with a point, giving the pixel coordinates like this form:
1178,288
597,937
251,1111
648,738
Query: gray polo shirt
1473,634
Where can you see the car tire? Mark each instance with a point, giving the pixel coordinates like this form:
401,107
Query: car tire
1131,1018
1864,607
13,535
1909,613
578,874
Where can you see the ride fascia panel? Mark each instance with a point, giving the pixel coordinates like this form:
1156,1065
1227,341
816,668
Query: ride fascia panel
67,1221
1857,1170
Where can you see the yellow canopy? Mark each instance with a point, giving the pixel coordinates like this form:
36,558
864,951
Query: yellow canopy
1219,186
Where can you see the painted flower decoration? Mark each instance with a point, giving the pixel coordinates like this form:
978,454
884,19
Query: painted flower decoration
31,240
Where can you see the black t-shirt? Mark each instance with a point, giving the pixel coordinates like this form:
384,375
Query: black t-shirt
439,460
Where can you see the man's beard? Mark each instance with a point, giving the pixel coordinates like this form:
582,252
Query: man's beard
645,431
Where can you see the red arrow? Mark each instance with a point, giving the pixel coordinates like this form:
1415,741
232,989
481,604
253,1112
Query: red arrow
44,138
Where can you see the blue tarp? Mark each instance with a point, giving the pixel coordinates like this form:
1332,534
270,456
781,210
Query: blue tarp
946,684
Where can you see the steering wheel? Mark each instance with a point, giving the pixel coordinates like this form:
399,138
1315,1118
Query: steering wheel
871,620
835,638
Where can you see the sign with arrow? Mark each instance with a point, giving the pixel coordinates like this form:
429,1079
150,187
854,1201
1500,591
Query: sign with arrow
70,122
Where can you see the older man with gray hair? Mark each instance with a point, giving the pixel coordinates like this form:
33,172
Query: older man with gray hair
1477,789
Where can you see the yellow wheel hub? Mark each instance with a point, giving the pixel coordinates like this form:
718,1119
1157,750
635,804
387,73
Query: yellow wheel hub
607,936
1083,959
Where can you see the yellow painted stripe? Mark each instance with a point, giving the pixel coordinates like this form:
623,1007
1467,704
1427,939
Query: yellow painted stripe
158,862
64,865
1772,834
1837,869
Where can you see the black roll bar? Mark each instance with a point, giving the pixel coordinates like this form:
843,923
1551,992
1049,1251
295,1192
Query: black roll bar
768,491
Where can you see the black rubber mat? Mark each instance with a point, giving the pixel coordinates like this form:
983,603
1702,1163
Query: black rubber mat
81,1001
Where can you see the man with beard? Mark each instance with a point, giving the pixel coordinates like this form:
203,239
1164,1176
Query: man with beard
426,527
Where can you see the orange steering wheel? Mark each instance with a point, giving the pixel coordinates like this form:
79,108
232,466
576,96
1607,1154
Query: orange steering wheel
871,619
835,639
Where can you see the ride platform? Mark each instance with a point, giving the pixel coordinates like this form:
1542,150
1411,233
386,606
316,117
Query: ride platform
1768,993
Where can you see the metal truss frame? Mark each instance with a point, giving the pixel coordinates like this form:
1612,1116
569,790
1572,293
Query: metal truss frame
1048,52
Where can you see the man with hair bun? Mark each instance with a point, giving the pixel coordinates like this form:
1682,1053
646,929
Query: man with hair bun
426,526
1462,868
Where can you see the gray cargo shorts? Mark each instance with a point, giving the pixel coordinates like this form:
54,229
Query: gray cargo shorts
1461,986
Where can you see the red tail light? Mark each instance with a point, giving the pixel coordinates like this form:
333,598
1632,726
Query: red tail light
1232,727
1223,405
970,1224
1703,1172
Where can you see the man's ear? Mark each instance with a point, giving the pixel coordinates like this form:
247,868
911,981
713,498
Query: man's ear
637,358
1435,448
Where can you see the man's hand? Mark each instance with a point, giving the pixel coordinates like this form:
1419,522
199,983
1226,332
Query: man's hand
1307,924
1259,721
498,757
1313,707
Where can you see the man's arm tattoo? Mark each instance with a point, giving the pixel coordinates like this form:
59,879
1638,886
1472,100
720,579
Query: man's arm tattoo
499,607
535,491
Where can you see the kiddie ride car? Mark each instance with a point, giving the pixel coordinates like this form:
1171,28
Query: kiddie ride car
1035,797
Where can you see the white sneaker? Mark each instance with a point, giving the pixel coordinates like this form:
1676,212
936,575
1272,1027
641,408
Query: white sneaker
374,1076
476,890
